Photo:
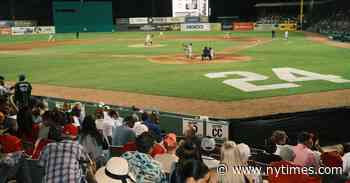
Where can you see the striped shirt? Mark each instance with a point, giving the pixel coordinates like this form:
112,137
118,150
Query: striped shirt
61,162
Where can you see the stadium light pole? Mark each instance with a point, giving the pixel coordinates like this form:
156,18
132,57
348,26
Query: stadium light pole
301,14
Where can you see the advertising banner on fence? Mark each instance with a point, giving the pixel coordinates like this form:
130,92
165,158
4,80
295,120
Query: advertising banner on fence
5,23
217,129
195,27
160,20
25,23
190,8
215,26
22,30
44,30
227,26
192,19
204,19
195,123
147,28
287,27
138,20
5,31
265,27
122,21
243,26
176,20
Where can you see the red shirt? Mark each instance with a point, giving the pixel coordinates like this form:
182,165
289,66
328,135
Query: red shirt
10,143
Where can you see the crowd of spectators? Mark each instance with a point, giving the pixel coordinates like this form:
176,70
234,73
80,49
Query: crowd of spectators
336,25
71,146
276,19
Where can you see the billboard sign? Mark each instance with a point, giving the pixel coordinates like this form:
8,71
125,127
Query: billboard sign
196,124
243,26
138,20
5,23
217,129
22,30
44,30
25,23
195,27
190,8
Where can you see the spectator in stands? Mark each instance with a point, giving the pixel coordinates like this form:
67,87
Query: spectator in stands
286,153
167,159
92,140
230,156
99,120
304,156
268,156
62,160
191,171
346,160
124,134
152,125
279,138
114,115
208,146
189,149
76,114
2,119
141,164
333,159
53,136
244,151
4,90
10,166
115,171
9,143
25,124
190,134
23,92
108,126
36,113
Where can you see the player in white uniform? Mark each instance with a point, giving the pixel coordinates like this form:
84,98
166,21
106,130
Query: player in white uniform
286,35
148,41
51,37
189,50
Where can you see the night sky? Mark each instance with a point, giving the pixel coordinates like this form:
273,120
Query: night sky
41,9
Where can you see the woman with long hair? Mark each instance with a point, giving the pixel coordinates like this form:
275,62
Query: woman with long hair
91,139
231,158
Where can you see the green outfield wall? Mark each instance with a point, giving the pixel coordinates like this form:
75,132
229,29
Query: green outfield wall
82,16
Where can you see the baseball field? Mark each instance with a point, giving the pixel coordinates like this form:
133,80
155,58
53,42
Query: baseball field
251,74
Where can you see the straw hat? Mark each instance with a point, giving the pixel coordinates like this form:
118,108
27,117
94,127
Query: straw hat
115,171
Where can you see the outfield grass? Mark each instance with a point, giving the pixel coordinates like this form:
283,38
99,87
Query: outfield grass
93,65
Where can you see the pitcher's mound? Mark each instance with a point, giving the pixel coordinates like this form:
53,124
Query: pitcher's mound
181,59
143,46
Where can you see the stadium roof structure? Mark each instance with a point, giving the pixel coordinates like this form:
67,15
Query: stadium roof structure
312,2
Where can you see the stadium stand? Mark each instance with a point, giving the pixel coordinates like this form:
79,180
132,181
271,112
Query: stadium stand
195,158
335,24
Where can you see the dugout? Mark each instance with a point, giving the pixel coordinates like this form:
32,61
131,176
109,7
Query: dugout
80,16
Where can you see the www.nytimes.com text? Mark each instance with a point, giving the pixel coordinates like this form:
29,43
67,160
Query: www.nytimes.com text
282,170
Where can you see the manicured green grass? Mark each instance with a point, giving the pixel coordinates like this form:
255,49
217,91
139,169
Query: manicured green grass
97,65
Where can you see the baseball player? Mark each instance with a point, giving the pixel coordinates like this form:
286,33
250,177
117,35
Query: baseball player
286,35
148,40
51,38
227,35
161,35
189,50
